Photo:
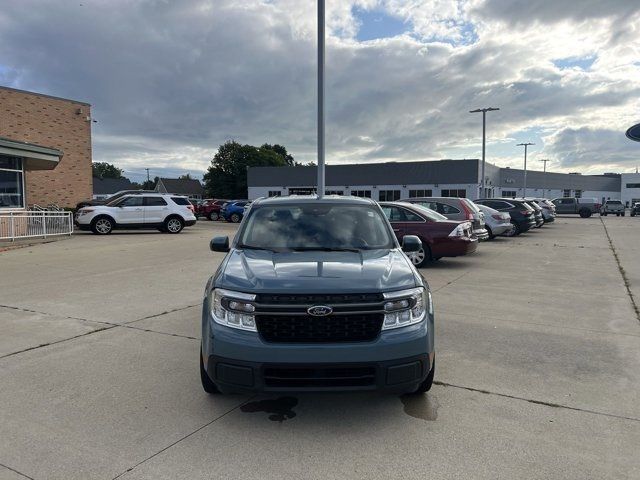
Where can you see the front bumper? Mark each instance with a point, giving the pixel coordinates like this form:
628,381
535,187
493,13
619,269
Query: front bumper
398,360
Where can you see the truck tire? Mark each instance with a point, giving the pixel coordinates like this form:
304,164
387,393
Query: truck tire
207,385
428,382
585,213
623,213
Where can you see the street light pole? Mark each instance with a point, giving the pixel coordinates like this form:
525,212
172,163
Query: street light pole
525,145
484,132
320,98
544,177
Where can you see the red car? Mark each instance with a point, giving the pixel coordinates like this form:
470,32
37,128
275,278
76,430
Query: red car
211,209
440,236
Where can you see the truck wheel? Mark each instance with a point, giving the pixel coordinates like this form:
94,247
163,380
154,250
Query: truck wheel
585,213
428,382
213,216
207,385
623,213
617,214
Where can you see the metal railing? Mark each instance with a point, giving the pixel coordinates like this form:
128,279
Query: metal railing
35,223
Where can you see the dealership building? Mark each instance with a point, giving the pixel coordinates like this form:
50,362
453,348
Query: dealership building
440,178
45,150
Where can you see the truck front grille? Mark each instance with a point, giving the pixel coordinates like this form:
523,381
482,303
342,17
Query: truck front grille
318,299
329,329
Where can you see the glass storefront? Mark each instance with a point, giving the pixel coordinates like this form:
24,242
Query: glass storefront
11,182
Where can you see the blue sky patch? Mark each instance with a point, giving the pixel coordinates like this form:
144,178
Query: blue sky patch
376,24
583,63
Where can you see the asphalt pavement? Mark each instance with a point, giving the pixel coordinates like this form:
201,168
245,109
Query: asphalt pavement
538,368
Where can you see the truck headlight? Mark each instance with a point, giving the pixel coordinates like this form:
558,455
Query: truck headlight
233,309
406,307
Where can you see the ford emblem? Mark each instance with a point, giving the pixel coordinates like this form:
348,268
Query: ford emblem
319,310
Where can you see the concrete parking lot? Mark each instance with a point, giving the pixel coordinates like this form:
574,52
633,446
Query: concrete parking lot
538,368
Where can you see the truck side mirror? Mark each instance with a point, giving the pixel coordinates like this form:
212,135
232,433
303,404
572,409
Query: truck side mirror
219,244
411,243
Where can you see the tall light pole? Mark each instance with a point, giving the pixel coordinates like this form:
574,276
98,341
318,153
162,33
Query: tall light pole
544,177
320,98
484,134
525,145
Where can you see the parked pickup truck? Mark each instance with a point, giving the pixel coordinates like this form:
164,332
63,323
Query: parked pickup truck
585,207
316,294
613,207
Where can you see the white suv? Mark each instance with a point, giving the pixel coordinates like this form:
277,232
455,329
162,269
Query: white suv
167,213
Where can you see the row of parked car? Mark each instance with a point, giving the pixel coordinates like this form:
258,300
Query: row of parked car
452,226
219,209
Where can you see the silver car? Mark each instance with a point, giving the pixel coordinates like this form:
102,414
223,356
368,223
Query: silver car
456,208
497,223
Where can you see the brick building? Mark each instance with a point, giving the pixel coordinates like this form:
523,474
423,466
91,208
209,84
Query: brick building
45,150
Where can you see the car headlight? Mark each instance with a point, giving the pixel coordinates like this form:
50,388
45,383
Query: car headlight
233,309
84,211
406,307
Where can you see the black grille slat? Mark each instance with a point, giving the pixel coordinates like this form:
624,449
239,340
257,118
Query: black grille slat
301,377
329,329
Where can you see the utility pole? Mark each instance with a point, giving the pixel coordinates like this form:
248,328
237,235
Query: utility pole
484,131
525,145
320,99
544,177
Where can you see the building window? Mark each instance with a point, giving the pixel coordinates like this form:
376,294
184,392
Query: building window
275,193
420,193
334,192
578,193
566,193
633,185
461,192
302,191
509,194
11,182
361,193
389,195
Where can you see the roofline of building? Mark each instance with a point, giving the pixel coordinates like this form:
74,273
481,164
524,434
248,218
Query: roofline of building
29,147
44,95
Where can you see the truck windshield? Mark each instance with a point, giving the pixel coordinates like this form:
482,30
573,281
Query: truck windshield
318,226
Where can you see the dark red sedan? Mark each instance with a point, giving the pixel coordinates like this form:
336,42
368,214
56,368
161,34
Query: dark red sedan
210,209
440,236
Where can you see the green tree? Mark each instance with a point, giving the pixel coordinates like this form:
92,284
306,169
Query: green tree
186,176
226,177
150,184
106,170
282,151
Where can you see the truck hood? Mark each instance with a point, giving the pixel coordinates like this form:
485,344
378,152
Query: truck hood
316,272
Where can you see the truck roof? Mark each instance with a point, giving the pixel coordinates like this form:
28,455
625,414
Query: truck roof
298,199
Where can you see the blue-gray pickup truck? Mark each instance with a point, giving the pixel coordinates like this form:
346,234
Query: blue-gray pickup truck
316,294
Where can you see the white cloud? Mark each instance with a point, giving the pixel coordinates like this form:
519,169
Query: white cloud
170,81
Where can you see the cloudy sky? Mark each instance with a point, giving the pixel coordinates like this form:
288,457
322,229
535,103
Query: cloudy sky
169,80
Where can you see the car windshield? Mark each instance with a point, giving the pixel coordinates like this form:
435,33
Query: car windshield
317,226
430,214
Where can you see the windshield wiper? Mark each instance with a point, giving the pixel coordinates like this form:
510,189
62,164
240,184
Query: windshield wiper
325,249
254,247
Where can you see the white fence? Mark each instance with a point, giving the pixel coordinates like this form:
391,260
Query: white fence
35,223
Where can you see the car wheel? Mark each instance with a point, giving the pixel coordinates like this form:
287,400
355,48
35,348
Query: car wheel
428,382
213,216
515,230
490,232
102,226
235,218
421,257
173,225
623,213
633,214
207,385
585,213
